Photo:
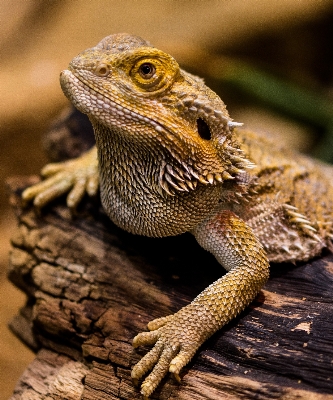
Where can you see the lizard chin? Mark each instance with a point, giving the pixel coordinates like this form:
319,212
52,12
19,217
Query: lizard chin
68,83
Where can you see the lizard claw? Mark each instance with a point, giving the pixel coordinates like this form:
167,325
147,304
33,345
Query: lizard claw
75,176
175,340
159,358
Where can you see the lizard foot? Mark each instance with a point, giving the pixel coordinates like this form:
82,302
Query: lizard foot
77,177
176,339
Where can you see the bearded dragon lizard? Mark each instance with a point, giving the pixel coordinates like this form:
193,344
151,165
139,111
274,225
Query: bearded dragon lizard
169,159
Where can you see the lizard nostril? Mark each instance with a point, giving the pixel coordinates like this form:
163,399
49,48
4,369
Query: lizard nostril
102,70
203,129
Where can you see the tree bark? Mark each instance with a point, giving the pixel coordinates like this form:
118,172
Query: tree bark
92,287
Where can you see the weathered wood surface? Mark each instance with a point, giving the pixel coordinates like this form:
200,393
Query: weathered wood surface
92,287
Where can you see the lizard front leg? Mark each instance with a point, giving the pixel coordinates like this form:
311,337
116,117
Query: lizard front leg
177,337
77,176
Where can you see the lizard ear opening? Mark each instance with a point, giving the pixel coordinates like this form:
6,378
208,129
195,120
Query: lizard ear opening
203,129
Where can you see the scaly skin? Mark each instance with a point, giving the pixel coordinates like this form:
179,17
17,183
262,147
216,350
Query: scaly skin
169,160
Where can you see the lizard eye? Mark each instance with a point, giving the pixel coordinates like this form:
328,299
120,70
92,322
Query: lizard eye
147,70
102,70
151,73
203,129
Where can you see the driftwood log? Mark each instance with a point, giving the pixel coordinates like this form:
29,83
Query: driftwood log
92,287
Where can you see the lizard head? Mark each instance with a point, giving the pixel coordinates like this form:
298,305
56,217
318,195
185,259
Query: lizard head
140,94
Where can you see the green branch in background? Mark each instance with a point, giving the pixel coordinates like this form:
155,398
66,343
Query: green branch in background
298,103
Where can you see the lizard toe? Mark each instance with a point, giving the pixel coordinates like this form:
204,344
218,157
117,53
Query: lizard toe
159,322
145,339
92,184
181,359
76,194
52,169
147,362
160,370
48,194
32,191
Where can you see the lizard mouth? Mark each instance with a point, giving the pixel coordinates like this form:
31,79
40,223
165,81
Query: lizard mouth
92,101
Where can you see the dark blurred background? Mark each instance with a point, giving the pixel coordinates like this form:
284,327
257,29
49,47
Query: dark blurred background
271,62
